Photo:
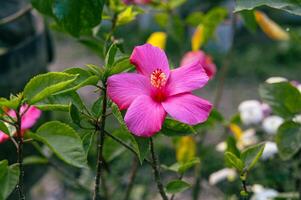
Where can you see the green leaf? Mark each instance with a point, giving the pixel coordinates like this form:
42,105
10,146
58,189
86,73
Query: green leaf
84,78
9,177
43,6
34,160
127,15
249,20
175,3
117,114
231,146
177,186
12,103
110,57
4,128
214,118
44,85
76,16
142,147
60,102
288,139
194,18
97,107
63,141
88,141
175,128
161,19
233,161
74,114
183,167
291,6
121,65
251,155
284,98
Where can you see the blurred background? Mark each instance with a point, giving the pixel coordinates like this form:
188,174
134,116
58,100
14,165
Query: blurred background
31,44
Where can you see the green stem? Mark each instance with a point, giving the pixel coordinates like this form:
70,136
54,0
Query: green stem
157,172
20,143
100,141
131,179
196,188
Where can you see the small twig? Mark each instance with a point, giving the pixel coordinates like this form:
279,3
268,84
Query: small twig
16,15
157,172
9,122
131,179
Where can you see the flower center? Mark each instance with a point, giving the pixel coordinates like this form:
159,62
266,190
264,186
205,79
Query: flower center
158,78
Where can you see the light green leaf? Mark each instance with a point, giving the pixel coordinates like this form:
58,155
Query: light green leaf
34,160
127,15
233,161
251,155
84,78
12,103
121,65
177,186
288,139
183,167
284,98
9,177
110,57
175,128
291,6
63,141
44,85
60,102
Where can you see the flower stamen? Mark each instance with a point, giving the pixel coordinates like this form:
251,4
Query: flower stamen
158,78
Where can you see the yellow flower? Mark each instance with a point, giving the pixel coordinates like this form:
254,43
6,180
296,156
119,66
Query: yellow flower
157,39
186,149
236,130
197,38
271,29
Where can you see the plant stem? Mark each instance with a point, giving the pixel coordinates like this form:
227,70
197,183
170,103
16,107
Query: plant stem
131,178
20,142
100,142
157,172
196,188
174,195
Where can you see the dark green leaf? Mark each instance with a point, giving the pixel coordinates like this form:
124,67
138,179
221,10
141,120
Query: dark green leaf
88,141
142,147
97,107
175,128
177,186
251,155
291,6
233,161
284,98
4,128
288,139
249,20
121,65
231,146
43,6
44,85
76,16
63,141
74,114
9,177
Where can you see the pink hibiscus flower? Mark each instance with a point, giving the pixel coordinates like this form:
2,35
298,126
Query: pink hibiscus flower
156,90
141,2
206,61
28,119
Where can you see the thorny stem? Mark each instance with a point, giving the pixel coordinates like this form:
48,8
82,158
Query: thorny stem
100,141
20,142
157,172
131,178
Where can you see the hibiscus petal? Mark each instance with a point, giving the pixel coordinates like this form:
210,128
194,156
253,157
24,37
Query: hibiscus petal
187,78
148,58
30,117
187,108
124,88
145,116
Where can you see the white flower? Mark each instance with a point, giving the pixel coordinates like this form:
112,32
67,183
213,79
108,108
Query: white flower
250,112
221,147
221,175
276,79
261,193
297,119
299,87
248,138
271,124
269,151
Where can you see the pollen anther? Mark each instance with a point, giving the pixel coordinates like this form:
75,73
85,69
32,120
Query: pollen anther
158,78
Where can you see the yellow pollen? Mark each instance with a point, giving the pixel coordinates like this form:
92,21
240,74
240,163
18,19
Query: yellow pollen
158,78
